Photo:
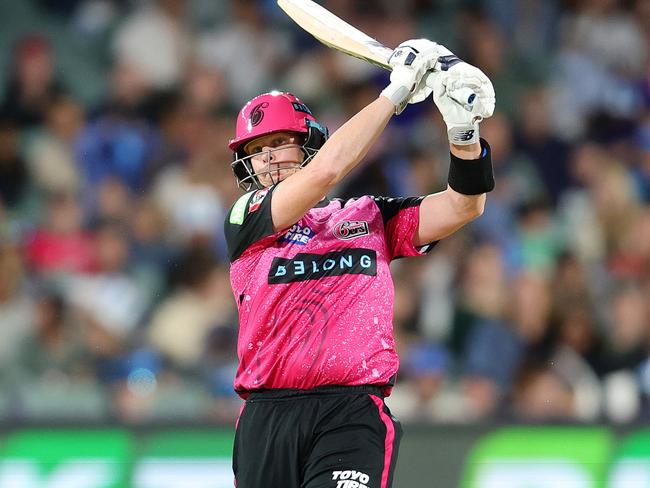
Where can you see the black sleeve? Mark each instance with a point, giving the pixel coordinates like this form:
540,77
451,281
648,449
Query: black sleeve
401,219
248,221
390,207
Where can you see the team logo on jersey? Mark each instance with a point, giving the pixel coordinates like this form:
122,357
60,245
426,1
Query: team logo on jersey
257,114
298,234
350,479
306,266
257,199
351,229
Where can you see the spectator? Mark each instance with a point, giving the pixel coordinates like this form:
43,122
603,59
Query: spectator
119,142
488,334
32,85
14,177
108,302
541,395
114,202
592,75
247,37
424,373
61,245
151,256
154,43
574,357
539,239
534,137
16,306
53,350
187,192
220,366
626,331
50,156
181,325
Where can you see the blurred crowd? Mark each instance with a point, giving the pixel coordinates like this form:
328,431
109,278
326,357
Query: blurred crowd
114,180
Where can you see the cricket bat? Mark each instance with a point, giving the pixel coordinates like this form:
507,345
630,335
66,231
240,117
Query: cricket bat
338,34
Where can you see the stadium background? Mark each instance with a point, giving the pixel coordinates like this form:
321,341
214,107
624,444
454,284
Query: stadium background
115,307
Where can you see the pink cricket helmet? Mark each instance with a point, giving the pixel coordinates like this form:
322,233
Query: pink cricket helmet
266,114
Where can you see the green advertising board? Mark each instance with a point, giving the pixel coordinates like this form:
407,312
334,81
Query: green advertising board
540,457
631,463
185,459
66,459
444,457
115,458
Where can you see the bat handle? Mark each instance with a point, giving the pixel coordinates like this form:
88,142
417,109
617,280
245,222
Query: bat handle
464,96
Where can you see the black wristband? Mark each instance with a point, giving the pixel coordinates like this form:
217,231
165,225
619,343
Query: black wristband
472,176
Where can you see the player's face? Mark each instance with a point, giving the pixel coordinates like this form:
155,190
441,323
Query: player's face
275,156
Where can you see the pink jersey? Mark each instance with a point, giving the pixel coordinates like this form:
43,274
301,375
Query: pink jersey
316,301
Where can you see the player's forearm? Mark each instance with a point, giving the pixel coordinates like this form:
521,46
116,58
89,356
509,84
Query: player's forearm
466,207
443,213
350,143
342,152
470,178
470,151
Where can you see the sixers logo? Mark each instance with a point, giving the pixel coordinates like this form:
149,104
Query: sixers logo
351,229
257,114
257,199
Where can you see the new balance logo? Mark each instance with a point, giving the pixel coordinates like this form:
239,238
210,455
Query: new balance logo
350,479
465,135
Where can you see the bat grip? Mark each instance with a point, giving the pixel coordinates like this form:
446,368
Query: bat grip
465,96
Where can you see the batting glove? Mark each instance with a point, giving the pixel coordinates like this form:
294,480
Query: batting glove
411,61
463,94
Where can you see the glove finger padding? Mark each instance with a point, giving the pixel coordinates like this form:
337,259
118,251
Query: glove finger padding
421,93
484,101
461,117
411,61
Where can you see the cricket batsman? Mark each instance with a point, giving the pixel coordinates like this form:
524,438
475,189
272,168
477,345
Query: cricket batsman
311,275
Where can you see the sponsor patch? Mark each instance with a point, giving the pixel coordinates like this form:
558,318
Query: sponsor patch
306,266
351,229
238,211
350,478
257,199
298,234
300,107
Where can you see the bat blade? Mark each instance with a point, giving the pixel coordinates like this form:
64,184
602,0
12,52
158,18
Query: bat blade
338,34
335,32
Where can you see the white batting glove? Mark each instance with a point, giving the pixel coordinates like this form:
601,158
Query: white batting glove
464,95
411,61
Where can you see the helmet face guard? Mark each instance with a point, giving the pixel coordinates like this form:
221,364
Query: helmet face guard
248,179
266,114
